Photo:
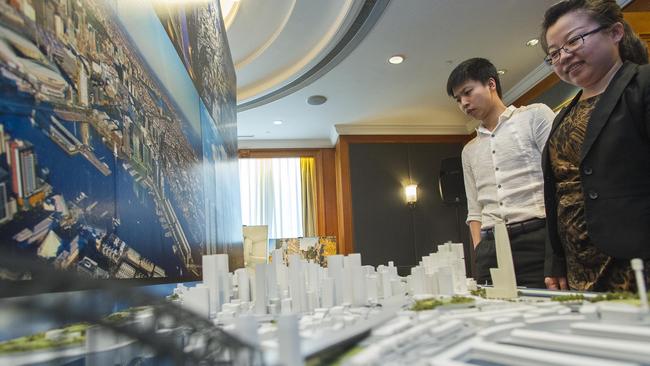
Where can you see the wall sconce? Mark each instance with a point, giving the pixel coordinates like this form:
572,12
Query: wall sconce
411,192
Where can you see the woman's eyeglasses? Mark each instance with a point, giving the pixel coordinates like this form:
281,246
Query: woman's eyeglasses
570,46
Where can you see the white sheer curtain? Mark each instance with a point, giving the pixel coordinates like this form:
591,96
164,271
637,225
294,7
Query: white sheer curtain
271,195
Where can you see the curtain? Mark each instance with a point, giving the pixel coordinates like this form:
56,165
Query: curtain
308,180
271,195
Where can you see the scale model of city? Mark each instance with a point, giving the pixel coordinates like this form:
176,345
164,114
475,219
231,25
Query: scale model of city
434,316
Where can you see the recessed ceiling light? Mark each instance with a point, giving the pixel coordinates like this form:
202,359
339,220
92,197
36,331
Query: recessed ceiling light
316,100
396,60
532,43
502,71
278,122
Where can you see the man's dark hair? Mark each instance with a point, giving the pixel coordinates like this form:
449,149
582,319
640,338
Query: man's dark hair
478,69
605,13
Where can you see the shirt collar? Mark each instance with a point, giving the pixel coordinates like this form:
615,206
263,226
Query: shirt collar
503,117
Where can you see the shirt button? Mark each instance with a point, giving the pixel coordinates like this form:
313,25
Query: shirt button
492,135
499,186
506,221
497,168
500,203
588,171
593,194
494,151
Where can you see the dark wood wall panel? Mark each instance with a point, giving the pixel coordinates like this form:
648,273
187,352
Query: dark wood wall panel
435,221
382,221
385,228
330,226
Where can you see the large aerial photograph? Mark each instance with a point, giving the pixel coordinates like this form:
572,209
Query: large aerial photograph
101,169
199,37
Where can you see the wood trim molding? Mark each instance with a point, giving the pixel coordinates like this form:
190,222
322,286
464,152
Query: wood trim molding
640,22
376,129
637,6
320,194
330,227
279,153
248,144
539,89
400,139
541,72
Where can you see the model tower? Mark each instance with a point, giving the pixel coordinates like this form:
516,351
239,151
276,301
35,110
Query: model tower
503,277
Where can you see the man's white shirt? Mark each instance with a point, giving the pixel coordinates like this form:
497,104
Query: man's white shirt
503,168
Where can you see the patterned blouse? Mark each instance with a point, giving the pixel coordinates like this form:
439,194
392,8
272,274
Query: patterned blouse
588,269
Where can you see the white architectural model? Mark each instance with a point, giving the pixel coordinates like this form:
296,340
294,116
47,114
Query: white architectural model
440,273
309,290
314,307
289,340
216,278
256,245
496,332
503,277
637,266
306,286
301,309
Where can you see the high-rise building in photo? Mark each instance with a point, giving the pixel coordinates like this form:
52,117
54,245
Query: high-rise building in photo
7,203
23,168
2,139
4,179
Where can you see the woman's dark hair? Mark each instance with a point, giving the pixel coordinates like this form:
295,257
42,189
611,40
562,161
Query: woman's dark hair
605,13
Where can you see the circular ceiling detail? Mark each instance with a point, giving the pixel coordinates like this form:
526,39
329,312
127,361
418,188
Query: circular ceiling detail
364,21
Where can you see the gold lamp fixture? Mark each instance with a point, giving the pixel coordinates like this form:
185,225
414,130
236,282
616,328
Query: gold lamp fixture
411,192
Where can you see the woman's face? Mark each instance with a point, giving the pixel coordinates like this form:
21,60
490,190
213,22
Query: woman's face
591,60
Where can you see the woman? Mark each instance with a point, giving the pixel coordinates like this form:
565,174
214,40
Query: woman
597,159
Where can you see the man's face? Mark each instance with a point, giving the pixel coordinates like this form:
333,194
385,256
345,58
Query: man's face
474,98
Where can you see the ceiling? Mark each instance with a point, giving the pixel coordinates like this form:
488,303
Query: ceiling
287,50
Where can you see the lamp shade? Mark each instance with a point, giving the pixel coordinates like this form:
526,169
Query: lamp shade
411,192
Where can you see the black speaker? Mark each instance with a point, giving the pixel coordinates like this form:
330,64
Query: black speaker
450,182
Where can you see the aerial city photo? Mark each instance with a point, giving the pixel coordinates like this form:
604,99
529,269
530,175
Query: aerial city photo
99,172
199,37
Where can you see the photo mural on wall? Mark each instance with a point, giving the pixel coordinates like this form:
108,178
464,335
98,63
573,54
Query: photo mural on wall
199,38
102,146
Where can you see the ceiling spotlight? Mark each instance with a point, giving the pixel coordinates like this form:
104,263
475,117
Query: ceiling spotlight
502,71
532,43
316,100
278,122
396,60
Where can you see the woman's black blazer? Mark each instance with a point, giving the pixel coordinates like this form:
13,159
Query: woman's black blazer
614,168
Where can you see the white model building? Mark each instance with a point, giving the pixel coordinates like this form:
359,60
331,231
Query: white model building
293,324
302,287
440,273
315,306
216,278
503,278
256,245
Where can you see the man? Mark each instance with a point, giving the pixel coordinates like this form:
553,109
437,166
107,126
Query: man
503,172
